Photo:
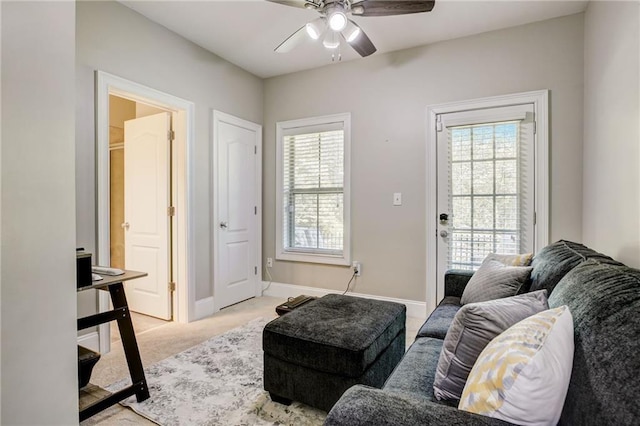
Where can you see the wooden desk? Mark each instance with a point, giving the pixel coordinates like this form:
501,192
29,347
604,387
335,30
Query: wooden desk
120,313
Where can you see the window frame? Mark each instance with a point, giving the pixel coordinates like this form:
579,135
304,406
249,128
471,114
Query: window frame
285,128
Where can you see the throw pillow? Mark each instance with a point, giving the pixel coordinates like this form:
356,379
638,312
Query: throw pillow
523,259
471,330
522,376
493,280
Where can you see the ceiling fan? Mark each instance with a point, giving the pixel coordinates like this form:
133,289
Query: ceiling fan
334,23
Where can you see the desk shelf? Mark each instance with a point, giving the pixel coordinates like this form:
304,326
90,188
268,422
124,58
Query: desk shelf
121,314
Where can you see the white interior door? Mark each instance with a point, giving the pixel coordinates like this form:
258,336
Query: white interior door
485,199
236,225
147,226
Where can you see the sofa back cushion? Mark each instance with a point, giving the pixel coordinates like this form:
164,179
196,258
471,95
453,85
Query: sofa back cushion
604,300
555,260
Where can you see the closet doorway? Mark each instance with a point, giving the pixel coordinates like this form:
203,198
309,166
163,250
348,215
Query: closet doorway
144,191
140,138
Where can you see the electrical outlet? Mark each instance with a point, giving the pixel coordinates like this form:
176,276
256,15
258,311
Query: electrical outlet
357,268
269,262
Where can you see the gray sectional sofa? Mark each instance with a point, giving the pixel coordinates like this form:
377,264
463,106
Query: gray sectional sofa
604,298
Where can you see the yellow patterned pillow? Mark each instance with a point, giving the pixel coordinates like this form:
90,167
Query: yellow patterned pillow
522,376
523,259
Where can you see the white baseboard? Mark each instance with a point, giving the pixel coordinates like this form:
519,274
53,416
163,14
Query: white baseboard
414,308
204,308
90,341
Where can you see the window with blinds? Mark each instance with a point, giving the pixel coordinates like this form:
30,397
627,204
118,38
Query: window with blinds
485,192
313,190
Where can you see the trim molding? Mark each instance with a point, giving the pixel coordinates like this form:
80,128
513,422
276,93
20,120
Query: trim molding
204,308
540,101
90,341
318,123
184,111
415,308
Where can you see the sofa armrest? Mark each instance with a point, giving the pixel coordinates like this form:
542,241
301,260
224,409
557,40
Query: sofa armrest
363,405
455,280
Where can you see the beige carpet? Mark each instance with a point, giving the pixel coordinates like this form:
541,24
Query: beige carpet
141,324
166,340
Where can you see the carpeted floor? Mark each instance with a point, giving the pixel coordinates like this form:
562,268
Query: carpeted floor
167,340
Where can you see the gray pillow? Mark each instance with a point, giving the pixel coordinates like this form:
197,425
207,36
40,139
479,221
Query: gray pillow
493,280
473,327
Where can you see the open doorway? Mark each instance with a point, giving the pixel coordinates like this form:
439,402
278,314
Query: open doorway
140,163
144,190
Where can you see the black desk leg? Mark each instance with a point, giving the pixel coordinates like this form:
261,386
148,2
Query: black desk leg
129,342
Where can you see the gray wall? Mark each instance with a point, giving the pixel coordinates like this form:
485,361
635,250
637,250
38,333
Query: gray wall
115,39
612,130
39,356
387,96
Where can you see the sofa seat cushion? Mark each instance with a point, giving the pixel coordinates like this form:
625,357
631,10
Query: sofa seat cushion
555,260
415,374
440,319
604,300
337,334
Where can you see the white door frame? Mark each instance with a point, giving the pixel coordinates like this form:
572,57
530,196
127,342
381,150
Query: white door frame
540,101
183,245
219,116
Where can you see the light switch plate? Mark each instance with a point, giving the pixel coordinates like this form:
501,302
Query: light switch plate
397,198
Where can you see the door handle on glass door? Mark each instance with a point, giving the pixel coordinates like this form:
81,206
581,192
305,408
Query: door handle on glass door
444,234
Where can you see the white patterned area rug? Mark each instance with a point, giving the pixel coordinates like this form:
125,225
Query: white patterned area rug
218,382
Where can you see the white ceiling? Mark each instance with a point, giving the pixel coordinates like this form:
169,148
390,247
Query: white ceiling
245,32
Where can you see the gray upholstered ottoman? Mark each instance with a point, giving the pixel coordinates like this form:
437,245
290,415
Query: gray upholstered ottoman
316,352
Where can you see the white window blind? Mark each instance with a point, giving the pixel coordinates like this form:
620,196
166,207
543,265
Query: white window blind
313,217
488,192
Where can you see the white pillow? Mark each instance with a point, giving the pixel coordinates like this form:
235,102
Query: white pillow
472,329
522,376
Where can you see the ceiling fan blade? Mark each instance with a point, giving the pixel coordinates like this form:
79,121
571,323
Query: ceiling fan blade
362,43
391,7
292,41
303,4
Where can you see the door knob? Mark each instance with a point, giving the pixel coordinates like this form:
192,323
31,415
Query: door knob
125,226
223,225
444,234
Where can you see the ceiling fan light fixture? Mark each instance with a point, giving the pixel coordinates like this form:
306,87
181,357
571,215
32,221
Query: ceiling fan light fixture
338,21
331,41
315,28
357,10
351,32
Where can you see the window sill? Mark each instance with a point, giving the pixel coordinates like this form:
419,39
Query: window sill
314,258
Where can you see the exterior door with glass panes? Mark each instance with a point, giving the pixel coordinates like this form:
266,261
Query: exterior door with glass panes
486,194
